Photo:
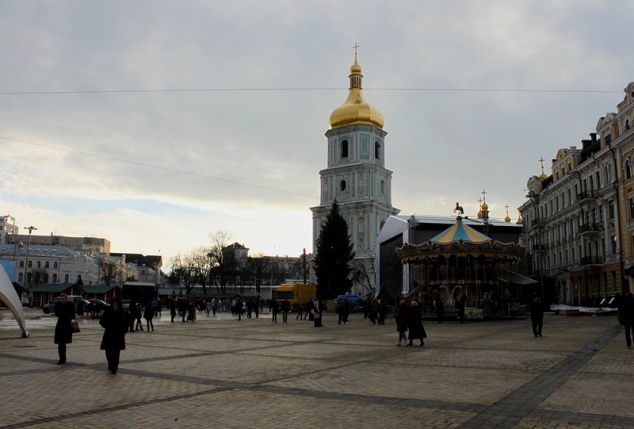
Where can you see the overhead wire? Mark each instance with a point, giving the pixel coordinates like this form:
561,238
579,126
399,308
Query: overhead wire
176,90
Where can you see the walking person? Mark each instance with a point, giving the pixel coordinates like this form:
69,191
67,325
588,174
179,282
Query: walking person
138,324
113,320
461,304
274,306
65,312
172,306
626,316
415,324
148,315
537,316
317,308
286,306
440,308
401,321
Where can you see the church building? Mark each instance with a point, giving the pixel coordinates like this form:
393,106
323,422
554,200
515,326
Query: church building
356,178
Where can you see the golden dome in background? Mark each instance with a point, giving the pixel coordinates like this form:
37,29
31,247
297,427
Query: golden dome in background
355,110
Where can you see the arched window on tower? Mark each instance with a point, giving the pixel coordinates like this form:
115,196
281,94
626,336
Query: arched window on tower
344,149
377,150
628,169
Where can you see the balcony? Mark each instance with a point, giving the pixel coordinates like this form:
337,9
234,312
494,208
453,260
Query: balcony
591,260
590,228
586,197
539,248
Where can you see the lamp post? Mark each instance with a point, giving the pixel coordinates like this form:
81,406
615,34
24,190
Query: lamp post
534,197
26,263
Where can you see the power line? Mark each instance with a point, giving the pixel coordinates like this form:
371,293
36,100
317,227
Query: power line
182,90
157,167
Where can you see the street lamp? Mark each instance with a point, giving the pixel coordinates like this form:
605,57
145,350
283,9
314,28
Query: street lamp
26,264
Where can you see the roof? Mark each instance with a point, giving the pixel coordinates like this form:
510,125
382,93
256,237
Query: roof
460,232
104,288
55,288
450,220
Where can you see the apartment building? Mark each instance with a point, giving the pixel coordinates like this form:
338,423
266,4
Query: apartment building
579,220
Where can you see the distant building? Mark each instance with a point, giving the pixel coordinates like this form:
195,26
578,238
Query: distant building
7,228
91,245
141,268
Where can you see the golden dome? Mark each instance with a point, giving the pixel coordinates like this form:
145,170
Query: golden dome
507,219
355,110
485,207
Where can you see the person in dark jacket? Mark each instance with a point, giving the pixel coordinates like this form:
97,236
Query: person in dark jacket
440,308
415,323
401,321
626,316
115,322
65,312
148,315
537,316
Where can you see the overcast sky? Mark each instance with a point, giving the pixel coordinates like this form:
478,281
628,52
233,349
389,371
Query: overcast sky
97,138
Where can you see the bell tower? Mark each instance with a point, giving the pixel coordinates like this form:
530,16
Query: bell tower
355,175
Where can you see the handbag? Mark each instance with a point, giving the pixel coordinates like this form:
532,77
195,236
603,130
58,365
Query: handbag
74,326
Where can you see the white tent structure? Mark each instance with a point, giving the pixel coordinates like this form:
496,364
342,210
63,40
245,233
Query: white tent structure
9,297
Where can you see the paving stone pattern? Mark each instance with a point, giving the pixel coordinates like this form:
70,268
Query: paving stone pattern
225,373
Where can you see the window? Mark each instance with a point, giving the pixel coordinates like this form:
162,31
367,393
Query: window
377,150
628,169
66,278
613,281
344,149
611,209
54,278
383,186
30,264
343,185
46,264
39,264
631,208
613,242
55,264
21,264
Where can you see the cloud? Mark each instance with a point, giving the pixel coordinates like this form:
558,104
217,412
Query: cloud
152,170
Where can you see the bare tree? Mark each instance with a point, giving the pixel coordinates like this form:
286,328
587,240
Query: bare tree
183,272
223,264
363,273
258,265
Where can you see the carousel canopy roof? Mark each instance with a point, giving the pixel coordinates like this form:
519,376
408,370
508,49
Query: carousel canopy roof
461,240
460,232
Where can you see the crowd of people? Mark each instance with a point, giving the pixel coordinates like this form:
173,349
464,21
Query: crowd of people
408,317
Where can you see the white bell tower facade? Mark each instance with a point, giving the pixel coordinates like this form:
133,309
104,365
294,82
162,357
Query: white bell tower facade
356,178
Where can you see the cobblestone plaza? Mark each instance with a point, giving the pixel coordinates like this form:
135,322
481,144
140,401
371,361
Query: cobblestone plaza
225,373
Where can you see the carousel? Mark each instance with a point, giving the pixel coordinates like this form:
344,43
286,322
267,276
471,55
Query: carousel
462,263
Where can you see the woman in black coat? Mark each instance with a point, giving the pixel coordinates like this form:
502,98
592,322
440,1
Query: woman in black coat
115,322
65,312
415,323
401,321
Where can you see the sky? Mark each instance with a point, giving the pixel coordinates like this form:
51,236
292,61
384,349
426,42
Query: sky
156,124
